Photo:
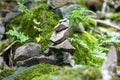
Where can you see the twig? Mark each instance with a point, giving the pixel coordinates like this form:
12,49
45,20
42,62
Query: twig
1,53
108,24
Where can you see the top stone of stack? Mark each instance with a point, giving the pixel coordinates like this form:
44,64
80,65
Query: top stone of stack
59,3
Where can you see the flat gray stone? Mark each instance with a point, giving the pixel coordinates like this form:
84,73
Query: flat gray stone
58,37
110,64
27,51
59,3
37,60
2,31
64,46
11,15
62,25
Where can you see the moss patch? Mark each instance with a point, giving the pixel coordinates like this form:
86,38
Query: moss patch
37,71
85,43
50,72
83,73
26,24
6,72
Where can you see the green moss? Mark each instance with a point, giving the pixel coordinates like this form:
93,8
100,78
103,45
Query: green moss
50,72
118,53
6,72
47,20
37,71
43,77
85,43
5,43
83,73
114,16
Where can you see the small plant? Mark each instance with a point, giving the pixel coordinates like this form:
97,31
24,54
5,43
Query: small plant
24,9
81,15
19,35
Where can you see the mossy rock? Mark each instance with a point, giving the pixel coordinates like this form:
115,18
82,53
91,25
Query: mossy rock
6,72
26,24
37,71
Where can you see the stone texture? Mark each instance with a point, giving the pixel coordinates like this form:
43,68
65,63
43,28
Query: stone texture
27,51
2,31
64,46
110,63
48,52
60,36
2,62
62,11
11,15
37,60
60,3
62,25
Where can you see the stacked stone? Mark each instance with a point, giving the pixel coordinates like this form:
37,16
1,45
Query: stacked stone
29,54
61,47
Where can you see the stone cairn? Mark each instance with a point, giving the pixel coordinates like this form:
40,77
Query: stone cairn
61,47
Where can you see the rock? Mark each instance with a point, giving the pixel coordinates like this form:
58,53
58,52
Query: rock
64,46
110,63
37,60
31,4
60,36
48,52
77,27
2,62
59,3
27,51
11,15
62,25
63,11
2,30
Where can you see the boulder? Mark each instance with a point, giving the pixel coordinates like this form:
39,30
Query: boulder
64,46
58,37
37,60
62,25
59,3
27,51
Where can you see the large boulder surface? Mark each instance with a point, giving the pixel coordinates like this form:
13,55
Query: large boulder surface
27,51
